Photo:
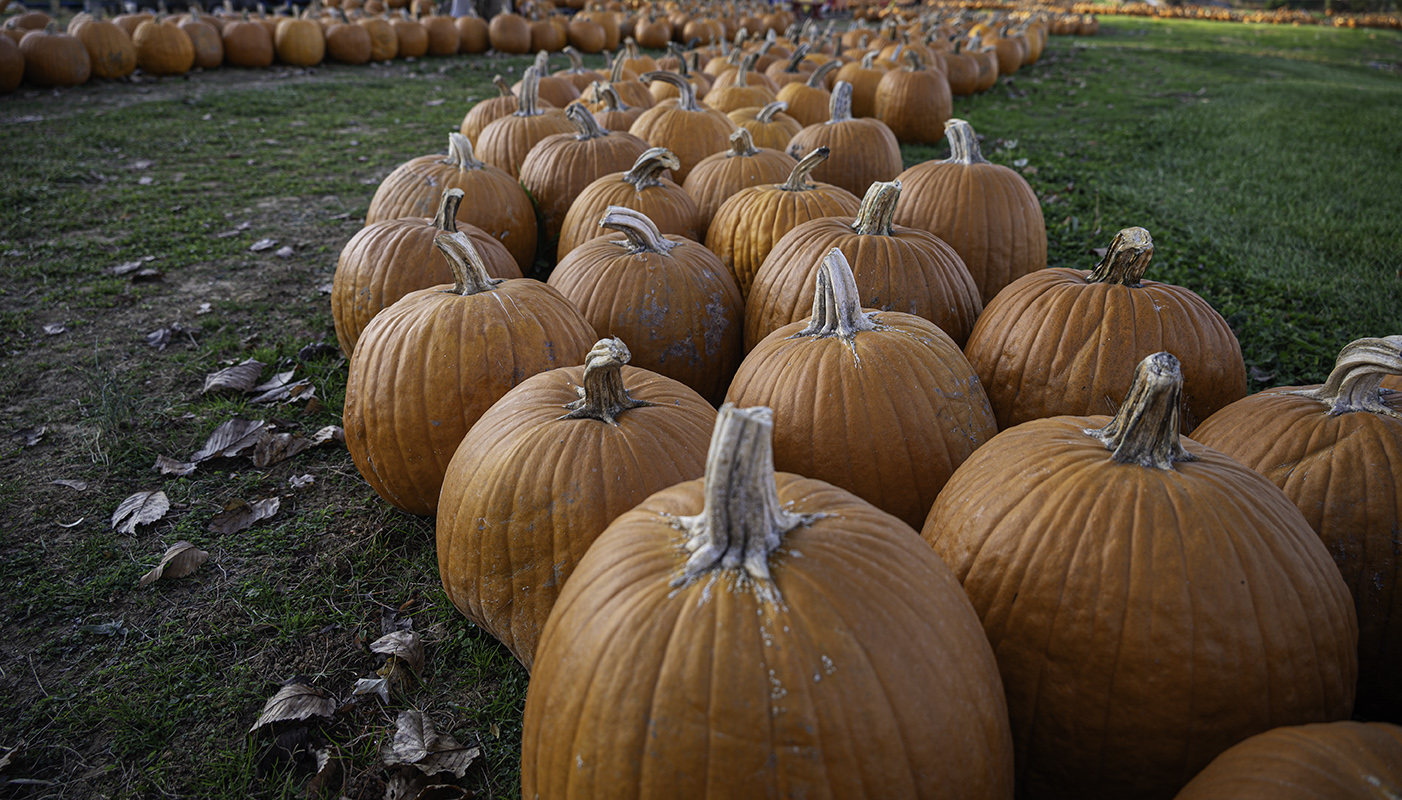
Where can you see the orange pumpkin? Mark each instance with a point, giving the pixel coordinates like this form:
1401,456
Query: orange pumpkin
768,125
505,142
718,177
688,129
869,150
1306,762
53,58
645,188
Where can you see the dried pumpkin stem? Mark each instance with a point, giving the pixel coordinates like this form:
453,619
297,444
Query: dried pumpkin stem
584,122
878,209
1126,260
616,68
686,99
1355,383
742,521
963,143
469,271
742,144
446,220
913,61
611,100
820,75
647,170
576,60
840,104
766,114
542,63
798,178
643,235
837,305
1145,429
503,87
530,94
460,153
603,396
799,53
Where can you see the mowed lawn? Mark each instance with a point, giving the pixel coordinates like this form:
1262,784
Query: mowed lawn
1265,161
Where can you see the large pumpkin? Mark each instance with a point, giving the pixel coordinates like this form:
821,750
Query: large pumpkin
768,124
1151,601
914,101
870,152
808,100
688,129
754,634
1336,451
644,187
506,541
1333,761
428,366
110,49
718,177
505,142
247,43
11,65
54,58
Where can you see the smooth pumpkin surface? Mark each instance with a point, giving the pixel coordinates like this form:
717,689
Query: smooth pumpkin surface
1353,760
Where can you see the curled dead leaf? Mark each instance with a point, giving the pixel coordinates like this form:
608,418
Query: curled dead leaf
180,559
295,701
142,508
28,436
375,686
239,515
275,448
172,466
403,645
301,481
55,328
77,486
238,378
263,244
417,743
328,780
231,439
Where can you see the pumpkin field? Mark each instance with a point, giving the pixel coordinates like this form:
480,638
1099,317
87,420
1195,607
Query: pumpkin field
221,576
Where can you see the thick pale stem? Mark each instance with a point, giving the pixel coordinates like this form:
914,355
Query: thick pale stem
446,220
820,75
742,521
837,305
766,114
643,235
963,143
584,121
503,87
616,68
746,64
576,60
686,99
469,271
612,102
460,153
912,60
869,60
799,53
1145,430
798,178
878,209
542,63
603,396
647,170
742,145
840,105
1356,381
1126,260
530,92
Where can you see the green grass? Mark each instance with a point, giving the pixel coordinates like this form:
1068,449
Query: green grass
1263,160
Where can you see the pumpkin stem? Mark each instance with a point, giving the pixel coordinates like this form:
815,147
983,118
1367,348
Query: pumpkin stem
446,220
837,305
616,68
912,60
530,92
460,153
799,53
643,235
742,78
742,144
840,104
503,88
469,272
878,209
798,178
584,121
603,396
869,60
742,521
686,100
542,62
1356,380
647,170
576,60
819,75
766,114
963,143
611,100
1145,429
1126,260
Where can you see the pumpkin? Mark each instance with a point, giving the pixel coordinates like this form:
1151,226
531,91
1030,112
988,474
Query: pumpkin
961,70
443,37
506,545
610,111
718,177
347,42
742,88
1336,451
509,33
547,34
505,142
393,257
17,26
110,50
746,227
869,150
1122,574
1063,341
559,168
247,43
1011,50
987,58
205,38
762,634
863,76
586,34
914,102
1306,762
130,22
384,42
607,21
688,129
11,65
556,92
490,110
653,32
298,42
808,100
472,33
577,73
642,188
795,69
768,125
630,90
897,268
668,295
411,38
700,83
923,410
53,58
428,366
497,204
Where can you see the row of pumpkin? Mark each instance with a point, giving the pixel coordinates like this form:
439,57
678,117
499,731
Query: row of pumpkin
1223,13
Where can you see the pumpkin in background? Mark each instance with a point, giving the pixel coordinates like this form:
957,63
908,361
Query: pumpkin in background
509,33
719,177
1062,341
11,65
747,226
1151,601
393,257
742,88
609,110
577,74
552,91
869,150
644,188
586,34
762,634
298,42
247,43
961,70
496,202
668,295
410,35
700,83
472,33
346,42
630,90
923,410
205,38
505,142
53,58
794,69
490,110
691,131
19,25
384,43
864,76
130,22
506,544
443,37
428,366
768,125
987,212
110,50
808,100
1336,452
914,102
897,269
1307,762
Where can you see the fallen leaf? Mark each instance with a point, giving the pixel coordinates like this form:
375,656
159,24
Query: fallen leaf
75,523
317,350
1260,375
295,701
416,743
239,515
440,101
375,686
229,234
285,252
404,784
231,439
495,730
55,328
180,559
238,378
204,308
28,436
146,180
301,481
299,390
392,620
147,276
142,508
276,448
404,645
159,338
78,486
140,164
105,629
327,782
172,466
262,245
325,288
122,269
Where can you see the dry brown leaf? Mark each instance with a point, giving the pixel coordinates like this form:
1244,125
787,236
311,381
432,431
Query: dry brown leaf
404,784
77,486
231,439
328,781
404,645
276,391
239,515
55,328
375,686
293,702
238,378
180,559
276,448
28,436
172,466
417,743
301,481
142,508
263,244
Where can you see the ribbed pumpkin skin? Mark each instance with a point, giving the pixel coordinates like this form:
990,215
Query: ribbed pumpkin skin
247,44
528,492
426,368
1052,343
667,205
110,49
493,201
299,42
509,33
505,142
561,167
719,177
472,35
207,43
391,258
808,105
864,152
1330,761
871,680
1144,620
914,104
442,35
888,419
775,134
12,65
163,48
1342,473
690,135
411,39
384,44
986,212
910,271
54,59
